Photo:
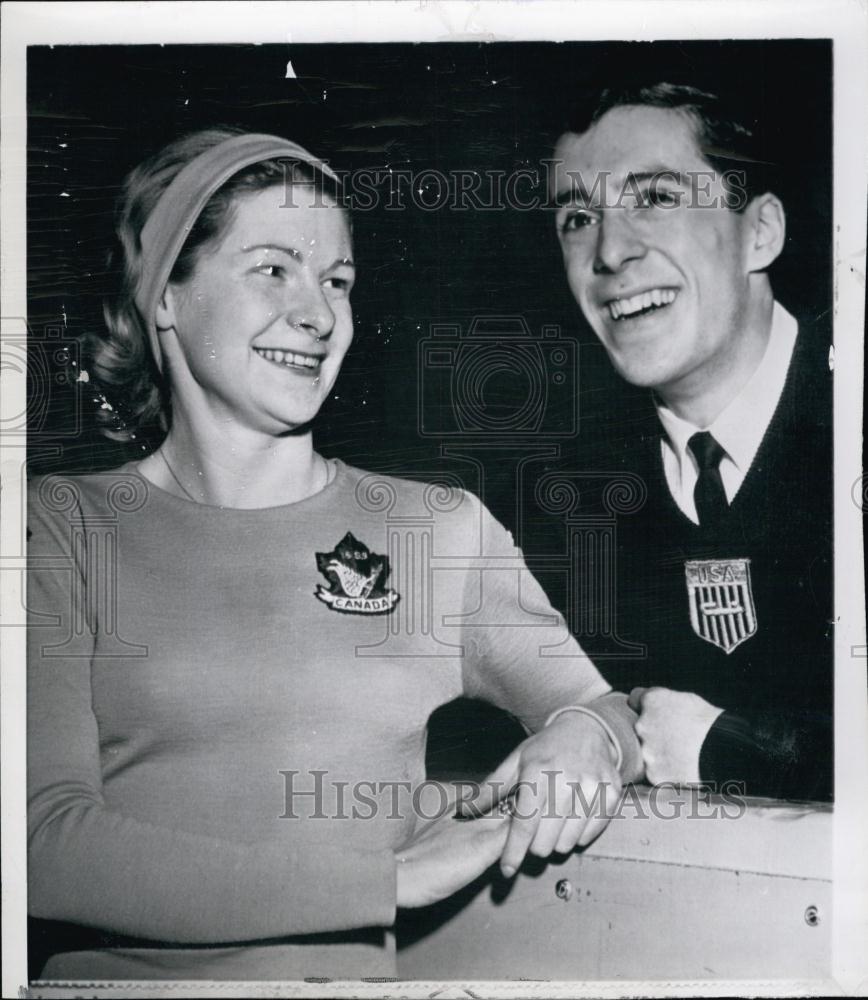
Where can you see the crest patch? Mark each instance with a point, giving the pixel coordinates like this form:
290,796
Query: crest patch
357,579
721,601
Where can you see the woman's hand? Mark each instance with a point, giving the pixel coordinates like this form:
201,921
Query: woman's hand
446,855
560,785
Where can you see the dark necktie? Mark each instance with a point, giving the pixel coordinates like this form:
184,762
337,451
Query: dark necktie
708,493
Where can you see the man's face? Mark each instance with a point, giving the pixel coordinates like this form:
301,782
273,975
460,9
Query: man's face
656,261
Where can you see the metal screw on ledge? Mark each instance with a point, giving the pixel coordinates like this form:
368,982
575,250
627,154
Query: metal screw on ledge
812,916
564,889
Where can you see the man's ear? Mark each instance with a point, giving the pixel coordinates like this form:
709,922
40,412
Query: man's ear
164,314
766,231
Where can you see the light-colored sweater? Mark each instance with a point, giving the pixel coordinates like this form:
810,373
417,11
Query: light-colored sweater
193,669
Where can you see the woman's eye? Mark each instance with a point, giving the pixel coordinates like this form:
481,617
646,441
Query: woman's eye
271,270
339,284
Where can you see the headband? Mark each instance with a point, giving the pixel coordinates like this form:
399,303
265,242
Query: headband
175,214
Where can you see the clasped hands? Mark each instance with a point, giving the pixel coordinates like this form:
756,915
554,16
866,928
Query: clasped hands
671,727
556,790
561,787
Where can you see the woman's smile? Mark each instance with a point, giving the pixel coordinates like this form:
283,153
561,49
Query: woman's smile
296,362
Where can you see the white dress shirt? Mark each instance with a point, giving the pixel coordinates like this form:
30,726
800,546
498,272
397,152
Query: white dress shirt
739,429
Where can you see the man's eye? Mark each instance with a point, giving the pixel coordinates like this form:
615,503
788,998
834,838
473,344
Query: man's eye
656,197
578,219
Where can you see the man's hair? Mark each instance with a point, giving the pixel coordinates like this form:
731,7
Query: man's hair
728,139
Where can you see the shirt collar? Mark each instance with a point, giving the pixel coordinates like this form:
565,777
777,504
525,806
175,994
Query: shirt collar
740,428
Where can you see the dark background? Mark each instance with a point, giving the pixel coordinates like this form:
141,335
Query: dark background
95,112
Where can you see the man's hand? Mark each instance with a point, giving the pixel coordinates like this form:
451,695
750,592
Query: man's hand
447,854
561,786
672,727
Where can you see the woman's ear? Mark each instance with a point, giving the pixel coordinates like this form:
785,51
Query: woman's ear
164,314
767,230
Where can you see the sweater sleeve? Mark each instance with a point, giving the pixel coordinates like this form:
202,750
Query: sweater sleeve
519,654
92,865
785,756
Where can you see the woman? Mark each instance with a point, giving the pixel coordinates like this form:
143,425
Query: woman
228,682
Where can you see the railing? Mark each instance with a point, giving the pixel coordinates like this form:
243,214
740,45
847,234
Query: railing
681,885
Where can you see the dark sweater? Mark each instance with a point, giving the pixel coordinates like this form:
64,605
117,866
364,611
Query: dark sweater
775,735
626,597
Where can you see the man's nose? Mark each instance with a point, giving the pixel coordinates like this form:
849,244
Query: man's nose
617,242
309,309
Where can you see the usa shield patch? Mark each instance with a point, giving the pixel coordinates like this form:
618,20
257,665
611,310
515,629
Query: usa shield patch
721,601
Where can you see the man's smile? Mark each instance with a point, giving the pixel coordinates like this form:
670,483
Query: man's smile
640,304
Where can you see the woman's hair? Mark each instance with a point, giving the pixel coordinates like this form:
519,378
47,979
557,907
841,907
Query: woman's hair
119,360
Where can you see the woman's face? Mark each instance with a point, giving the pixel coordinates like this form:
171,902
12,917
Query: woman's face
263,324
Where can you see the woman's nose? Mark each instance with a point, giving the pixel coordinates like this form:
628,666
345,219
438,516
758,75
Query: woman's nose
310,311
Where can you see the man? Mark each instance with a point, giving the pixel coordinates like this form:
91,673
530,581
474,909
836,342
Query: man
668,224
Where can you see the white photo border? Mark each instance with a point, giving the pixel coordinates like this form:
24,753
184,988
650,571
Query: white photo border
845,22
